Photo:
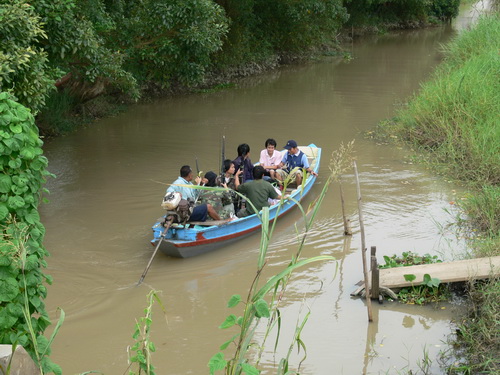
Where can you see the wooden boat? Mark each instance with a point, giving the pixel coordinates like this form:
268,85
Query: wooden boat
184,241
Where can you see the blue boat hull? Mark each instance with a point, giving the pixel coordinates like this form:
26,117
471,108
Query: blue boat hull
187,242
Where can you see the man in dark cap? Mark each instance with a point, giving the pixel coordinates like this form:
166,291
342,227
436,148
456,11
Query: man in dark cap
294,158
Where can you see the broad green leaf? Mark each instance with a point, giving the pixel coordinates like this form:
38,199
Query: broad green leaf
5,135
5,183
38,163
261,309
431,282
152,347
5,118
4,211
15,128
23,113
9,289
234,300
28,153
216,363
5,260
410,277
32,217
226,344
15,163
15,202
7,320
15,309
229,322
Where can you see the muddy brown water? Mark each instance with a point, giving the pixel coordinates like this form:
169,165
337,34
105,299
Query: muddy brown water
110,181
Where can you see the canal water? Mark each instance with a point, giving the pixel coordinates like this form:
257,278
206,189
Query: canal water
112,175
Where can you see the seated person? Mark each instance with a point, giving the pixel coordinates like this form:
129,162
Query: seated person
270,158
221,200
227,180
293,158
257,191
201,211
243,162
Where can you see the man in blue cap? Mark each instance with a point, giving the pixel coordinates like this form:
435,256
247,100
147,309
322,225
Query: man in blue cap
294,158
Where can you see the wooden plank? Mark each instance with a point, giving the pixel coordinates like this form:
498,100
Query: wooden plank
447,272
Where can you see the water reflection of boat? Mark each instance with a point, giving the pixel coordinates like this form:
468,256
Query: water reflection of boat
184,241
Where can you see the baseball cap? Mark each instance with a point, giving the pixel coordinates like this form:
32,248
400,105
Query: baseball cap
291,144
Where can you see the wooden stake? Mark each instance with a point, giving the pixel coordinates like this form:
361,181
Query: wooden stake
347,223
363,245
375,274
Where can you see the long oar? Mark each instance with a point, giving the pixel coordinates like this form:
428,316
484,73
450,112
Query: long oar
162,236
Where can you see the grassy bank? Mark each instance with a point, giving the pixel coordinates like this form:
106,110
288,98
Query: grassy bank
453,124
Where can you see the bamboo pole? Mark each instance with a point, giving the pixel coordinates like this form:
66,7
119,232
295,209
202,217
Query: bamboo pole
375,291
347,224
363,245
167,225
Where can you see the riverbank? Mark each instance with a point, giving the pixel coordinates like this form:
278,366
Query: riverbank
452,123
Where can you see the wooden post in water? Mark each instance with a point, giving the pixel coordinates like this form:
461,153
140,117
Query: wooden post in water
347,224
363,245
375,291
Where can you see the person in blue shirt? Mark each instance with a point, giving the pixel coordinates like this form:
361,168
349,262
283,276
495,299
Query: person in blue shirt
293,158
201,211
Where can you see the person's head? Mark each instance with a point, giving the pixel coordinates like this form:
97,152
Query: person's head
228,166
258,172
270,146
211,177
243,150
271,142
291,146
185,171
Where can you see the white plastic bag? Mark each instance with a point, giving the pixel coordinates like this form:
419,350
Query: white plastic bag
171,201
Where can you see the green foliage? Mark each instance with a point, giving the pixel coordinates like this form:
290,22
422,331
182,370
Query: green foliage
379,12
409,258
445,9
24,66
454,120
143,346
22,310
291,25
478,333
261,29
430,290
483,210
170,40
75,46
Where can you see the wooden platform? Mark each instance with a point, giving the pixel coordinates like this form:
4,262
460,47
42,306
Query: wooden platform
447,272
